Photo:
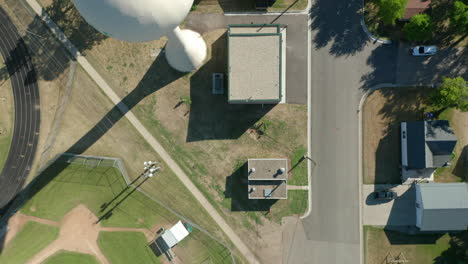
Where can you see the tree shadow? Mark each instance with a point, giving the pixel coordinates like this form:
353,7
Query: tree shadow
159,75
237,190
458,250
211,116
338,23
383,63
47,53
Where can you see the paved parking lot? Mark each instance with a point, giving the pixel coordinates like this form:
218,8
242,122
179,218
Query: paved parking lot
398,212
413,70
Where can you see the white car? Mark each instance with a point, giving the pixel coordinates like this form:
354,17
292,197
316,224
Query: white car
424,50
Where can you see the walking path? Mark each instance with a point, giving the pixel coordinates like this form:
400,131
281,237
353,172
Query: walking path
144,132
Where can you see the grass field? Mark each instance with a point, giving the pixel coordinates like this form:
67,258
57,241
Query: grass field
416,248
30,240
66,187
77,184
66,257
189,250
126,247
7,114
458,171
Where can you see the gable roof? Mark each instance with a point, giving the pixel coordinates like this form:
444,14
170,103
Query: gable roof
430,143
444,206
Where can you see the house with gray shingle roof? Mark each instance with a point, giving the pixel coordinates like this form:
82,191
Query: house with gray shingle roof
442,206
425,146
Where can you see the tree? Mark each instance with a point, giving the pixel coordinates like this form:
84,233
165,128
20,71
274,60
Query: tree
452,92
459,17
391,10
419,28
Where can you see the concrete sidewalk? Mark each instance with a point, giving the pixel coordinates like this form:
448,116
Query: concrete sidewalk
144,132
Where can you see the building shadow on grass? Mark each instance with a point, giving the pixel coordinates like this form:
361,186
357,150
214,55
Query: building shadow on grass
237,190
401,238
399,106
211,116
461,168
159,75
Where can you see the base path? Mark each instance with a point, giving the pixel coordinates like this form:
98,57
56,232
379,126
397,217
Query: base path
117,101
27,115
84,241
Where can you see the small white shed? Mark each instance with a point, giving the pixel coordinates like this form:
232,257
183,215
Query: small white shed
175,234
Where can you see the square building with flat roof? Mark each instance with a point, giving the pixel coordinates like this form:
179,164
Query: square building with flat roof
267,178
256,65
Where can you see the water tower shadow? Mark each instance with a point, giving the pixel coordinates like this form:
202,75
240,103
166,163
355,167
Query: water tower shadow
150,83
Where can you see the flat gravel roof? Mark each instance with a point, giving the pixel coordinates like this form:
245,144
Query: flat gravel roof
254,64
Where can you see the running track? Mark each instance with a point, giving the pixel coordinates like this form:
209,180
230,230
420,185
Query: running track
27,114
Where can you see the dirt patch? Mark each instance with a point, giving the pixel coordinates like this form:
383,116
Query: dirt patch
78,233
382,113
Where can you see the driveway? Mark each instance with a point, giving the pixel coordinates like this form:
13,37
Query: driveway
398,212
413,70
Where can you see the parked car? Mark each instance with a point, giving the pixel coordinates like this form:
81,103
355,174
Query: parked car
385,195
424,50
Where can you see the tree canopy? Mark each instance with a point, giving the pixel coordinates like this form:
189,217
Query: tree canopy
419,28
459,17
452,92
391,10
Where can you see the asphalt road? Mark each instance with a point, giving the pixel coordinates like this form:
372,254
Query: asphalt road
27,114
344,64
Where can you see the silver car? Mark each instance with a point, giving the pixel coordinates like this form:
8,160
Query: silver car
424,50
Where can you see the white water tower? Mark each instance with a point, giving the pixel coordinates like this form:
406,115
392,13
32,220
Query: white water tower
145,20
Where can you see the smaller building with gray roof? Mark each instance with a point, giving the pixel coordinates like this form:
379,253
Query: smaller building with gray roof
426,144
442,206
267,178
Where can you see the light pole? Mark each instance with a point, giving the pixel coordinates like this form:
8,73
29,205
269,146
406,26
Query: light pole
149,170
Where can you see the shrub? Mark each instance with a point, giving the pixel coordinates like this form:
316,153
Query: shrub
391,10
419,28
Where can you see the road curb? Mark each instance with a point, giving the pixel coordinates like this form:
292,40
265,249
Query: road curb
309,129
372,36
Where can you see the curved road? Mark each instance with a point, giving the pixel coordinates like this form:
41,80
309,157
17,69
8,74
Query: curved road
27,114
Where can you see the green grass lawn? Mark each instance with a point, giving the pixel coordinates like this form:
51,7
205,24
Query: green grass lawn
27,242
416,248
75,184
454,172
66,257
7,116
201,249
296,204
299,167
126,247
